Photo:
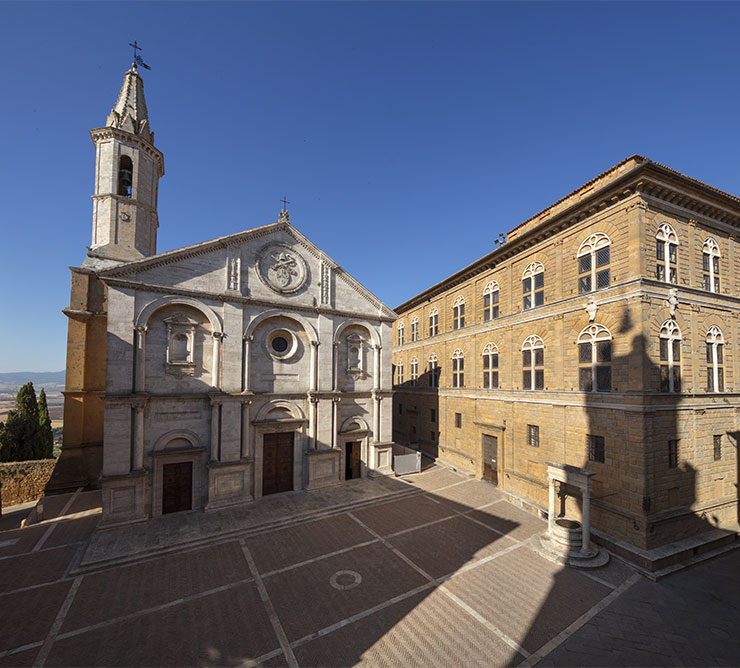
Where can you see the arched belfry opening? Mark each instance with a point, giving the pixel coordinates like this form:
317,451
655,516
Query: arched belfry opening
125,176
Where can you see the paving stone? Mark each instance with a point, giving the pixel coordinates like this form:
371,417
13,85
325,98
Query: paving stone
434,478
421,631
124,590
18,541
285,547
224,629
509,519
528,598
295,593
403,514
19,660
27,616
445,547
470,494
35,567
72,531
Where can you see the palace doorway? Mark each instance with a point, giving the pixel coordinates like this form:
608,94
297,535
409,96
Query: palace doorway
277,462
490,458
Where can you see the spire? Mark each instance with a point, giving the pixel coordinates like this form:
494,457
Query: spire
130,112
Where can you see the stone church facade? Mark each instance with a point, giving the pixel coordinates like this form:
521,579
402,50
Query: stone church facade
239,367
602,334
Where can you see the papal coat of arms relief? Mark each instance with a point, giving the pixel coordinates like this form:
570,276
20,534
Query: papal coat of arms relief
282,269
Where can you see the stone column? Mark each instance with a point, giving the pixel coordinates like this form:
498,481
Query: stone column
314,370
550,504
376,416
216,367
586,517
334,421
246,449
245,365
313,403
138,436
335,367
376,367
215,431
140,371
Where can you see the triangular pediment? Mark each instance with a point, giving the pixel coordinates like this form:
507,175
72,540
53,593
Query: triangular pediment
273,264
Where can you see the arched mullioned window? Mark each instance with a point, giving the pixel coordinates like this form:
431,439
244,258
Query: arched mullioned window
433,322
595,359
666,253
490,367
414,329
433,371
458,313
670,357
710,264
458,368
533,285
414,370
125,176
715,360
400,334
593,263
399,372
490,301
533,363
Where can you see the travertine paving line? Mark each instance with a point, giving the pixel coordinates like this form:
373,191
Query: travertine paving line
53,525
22,648
269,608
596,578
284,569
566,633
52,635
440,587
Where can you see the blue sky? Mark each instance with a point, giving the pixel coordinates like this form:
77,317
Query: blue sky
405,135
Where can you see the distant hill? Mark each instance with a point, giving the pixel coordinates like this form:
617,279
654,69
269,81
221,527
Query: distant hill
51,381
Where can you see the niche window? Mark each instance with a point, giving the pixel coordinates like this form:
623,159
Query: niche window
125,176
490,301
490,367
670,357
533,286
715,360
666,252
355,356
593,263
710,265
180,345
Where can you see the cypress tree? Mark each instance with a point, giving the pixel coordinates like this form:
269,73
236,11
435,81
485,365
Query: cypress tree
20,438
46,436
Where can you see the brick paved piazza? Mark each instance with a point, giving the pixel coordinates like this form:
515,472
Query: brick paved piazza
434,570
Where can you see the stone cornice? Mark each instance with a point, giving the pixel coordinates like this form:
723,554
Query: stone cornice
648,179
238,299
126,200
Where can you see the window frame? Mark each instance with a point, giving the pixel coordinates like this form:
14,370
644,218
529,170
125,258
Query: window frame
534,293
673,452
458,313
434,321
591,336
530,345
533,435
458,368
414,329
710,250
490,366
414,364
491,303
715,341
399,372
670,332
401,334
595,448
717,444
666,237
433,370
590,248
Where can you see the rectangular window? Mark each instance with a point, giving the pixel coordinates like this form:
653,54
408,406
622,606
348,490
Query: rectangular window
595,446
673,453
413,429
717,447
533,435
458,420
400,409
433,415
400,336
431,435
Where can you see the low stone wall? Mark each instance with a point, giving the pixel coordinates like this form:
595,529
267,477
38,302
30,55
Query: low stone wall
24,481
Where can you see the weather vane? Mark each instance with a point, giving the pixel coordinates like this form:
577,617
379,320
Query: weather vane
138,60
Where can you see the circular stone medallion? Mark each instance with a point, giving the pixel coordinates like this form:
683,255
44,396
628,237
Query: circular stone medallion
345,580
281,268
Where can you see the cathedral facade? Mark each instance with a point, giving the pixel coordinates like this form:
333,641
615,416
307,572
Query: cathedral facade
215,374
602,334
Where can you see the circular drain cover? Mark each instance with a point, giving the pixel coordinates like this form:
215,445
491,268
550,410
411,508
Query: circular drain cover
345,580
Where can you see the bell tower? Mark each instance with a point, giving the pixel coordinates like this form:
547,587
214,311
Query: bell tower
127,172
